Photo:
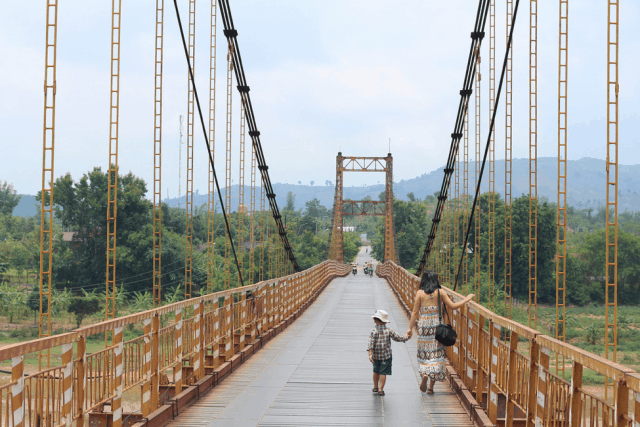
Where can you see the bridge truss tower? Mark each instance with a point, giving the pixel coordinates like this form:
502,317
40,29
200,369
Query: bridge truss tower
342,208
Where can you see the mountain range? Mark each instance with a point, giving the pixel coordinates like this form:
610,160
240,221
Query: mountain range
586,186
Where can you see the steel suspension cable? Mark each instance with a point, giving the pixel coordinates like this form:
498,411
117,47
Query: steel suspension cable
477,35
231,33
206,139
491,128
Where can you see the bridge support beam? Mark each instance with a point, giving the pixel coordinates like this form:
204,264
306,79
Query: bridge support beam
479,387
576,400
534,352
513,372
494,353
364,207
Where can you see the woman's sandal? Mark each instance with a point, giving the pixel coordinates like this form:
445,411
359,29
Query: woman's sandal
429,391
423,385
375,390
381,393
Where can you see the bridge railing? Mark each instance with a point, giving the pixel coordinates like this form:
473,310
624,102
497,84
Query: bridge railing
513,382
158,363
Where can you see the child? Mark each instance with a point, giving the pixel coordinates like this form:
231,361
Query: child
380,350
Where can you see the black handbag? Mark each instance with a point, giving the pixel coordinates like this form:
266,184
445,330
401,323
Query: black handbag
445,334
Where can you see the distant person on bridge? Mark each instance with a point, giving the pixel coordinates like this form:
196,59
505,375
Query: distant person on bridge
431,354
380,350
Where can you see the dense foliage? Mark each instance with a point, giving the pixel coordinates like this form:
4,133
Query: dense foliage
585,247
80,262
80,258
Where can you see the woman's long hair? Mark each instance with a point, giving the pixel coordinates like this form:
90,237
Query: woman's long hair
429,282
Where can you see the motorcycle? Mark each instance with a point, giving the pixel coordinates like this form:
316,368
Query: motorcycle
354,271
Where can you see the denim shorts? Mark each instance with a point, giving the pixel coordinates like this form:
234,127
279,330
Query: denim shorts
382,367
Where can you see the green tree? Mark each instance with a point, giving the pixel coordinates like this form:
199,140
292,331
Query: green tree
12,298
546,247
82,207
83,307
33,302
291,202
9,198
314,209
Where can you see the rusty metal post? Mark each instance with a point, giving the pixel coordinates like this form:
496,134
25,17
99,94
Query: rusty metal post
228,327
479,388
81,379
238,330
215,335
622,404
389,234
337,253
146,386
155,361
512,376
177,368
575,412
17,390
198,329
542,386
67,383
116,408
492,404
534,351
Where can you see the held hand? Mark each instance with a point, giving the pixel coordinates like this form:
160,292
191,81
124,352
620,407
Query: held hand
470,297
409,333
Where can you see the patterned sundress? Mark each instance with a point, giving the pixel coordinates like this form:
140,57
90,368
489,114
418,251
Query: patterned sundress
431,354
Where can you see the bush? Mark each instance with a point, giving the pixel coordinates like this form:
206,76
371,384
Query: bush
83,307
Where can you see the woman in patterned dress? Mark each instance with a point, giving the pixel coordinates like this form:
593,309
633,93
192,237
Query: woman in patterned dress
431,354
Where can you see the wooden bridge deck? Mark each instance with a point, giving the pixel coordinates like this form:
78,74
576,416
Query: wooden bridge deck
317,372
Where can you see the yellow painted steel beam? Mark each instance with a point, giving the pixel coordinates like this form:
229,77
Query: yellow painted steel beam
611,259
112,174
455,214
263,242
188,247
336,232
157,158
561,234
533,164
389,232
252,218
508,145
211,205
241,205
46,201
492,154
478,153
227,190
465,200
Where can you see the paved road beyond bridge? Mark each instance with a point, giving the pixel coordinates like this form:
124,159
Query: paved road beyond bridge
317,372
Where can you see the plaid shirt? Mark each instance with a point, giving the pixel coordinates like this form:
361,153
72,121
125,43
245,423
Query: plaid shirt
380,341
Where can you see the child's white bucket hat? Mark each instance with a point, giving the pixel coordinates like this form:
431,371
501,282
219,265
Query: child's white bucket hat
382,316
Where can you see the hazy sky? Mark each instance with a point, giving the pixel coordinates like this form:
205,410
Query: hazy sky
324,76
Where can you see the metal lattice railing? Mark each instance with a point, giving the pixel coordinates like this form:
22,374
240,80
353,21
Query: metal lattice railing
509,362
173,356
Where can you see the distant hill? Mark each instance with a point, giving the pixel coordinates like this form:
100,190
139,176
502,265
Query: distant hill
27,206
586,186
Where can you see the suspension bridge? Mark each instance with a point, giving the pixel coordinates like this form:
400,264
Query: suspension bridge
289,348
